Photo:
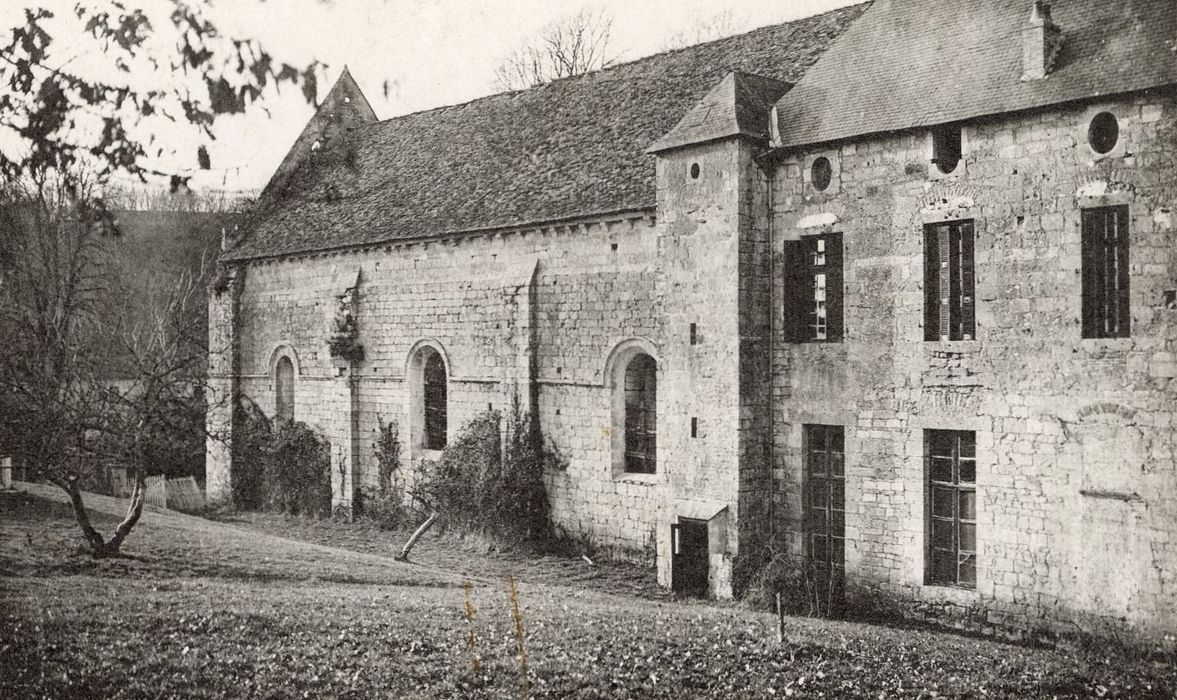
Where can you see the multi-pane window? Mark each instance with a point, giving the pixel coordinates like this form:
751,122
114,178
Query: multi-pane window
813,288
825,511
1106,307
952,485
949,296
641,417
434,391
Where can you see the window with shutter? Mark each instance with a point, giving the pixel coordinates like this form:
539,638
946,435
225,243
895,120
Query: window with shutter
814,289
1106,305
949,281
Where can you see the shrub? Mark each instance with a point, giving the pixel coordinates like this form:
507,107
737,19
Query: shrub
297,471
771,570
251,438
481,488
384,504
284,467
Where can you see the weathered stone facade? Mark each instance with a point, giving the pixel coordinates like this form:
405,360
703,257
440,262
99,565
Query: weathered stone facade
1076,478
1075,472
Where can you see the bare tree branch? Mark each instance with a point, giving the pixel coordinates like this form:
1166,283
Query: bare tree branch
569,46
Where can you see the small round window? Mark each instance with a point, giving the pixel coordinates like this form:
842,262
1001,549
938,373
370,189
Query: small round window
820,173
1103,133
694,171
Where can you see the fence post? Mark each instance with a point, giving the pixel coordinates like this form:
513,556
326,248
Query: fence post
5,473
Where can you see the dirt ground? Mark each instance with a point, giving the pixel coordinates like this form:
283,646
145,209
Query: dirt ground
213,609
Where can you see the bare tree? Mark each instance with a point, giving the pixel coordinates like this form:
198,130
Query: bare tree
571,45
718,26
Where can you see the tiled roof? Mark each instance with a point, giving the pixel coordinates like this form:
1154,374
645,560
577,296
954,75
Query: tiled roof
911,63
739,105
571,148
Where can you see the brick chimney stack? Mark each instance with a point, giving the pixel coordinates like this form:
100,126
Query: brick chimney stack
1041,42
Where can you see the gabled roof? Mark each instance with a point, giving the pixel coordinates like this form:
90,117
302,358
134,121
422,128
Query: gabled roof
912,63
737,106
571,148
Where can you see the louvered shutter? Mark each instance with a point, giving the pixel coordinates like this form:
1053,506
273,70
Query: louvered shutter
798,294
834,284
1119,217
944,269
968,314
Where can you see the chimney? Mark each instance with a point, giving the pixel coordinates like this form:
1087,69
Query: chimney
1041,42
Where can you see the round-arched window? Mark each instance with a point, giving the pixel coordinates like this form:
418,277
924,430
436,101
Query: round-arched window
284,389
820,173
1103,132
641,417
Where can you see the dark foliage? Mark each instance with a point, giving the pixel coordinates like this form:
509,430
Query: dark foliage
296,474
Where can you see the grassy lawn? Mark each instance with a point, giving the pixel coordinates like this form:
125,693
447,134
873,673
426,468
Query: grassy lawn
205,609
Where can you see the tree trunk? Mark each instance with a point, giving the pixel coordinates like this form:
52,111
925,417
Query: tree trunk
98,546
404,555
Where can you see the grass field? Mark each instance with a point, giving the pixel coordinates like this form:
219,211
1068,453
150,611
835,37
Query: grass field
214,609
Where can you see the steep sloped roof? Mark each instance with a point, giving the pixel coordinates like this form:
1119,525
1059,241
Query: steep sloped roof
739,105
911,63
574,147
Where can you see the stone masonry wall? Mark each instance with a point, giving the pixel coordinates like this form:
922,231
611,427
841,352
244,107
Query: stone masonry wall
1076,476
593,288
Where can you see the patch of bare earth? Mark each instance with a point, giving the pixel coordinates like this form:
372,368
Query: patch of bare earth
207,609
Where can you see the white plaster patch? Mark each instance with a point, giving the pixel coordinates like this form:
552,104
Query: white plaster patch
1163,218
953,203
1093,188
825,218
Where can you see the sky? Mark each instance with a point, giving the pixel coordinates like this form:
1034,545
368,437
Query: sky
428,52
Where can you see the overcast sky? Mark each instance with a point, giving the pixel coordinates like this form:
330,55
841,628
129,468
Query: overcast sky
430,52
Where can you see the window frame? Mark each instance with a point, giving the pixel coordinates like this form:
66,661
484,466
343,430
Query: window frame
640,419
285,382
1105,278
950,260
961,457
815,281
435,402
825,488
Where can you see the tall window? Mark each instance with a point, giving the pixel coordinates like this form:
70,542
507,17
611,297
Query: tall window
949,296
641,416
825,511
813,288
434,394
952,483
284,389
1106,306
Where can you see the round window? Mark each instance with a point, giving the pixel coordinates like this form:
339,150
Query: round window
694,171
1103,133
820,173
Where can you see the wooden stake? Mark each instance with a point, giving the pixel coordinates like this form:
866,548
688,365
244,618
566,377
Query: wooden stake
780,620
519,635
470,623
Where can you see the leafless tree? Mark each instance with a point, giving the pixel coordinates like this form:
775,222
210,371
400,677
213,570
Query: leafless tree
703,29
71,324
571,45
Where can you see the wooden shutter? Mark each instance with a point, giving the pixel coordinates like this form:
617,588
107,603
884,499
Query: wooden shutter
1123,314
798,294
931,283
1092,237
944,273
968,303
834,281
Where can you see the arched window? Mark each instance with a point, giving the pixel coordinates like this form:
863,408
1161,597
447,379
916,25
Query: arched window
641,415
284,389
434,396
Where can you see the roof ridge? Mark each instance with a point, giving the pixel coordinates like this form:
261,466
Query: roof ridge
615,66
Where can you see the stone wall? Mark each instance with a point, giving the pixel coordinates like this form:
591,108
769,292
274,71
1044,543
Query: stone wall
508,311
1076,482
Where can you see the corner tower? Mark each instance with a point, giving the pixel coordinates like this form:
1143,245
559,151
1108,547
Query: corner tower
715,291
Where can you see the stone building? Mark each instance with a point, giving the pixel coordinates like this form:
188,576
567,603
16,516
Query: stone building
890,287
